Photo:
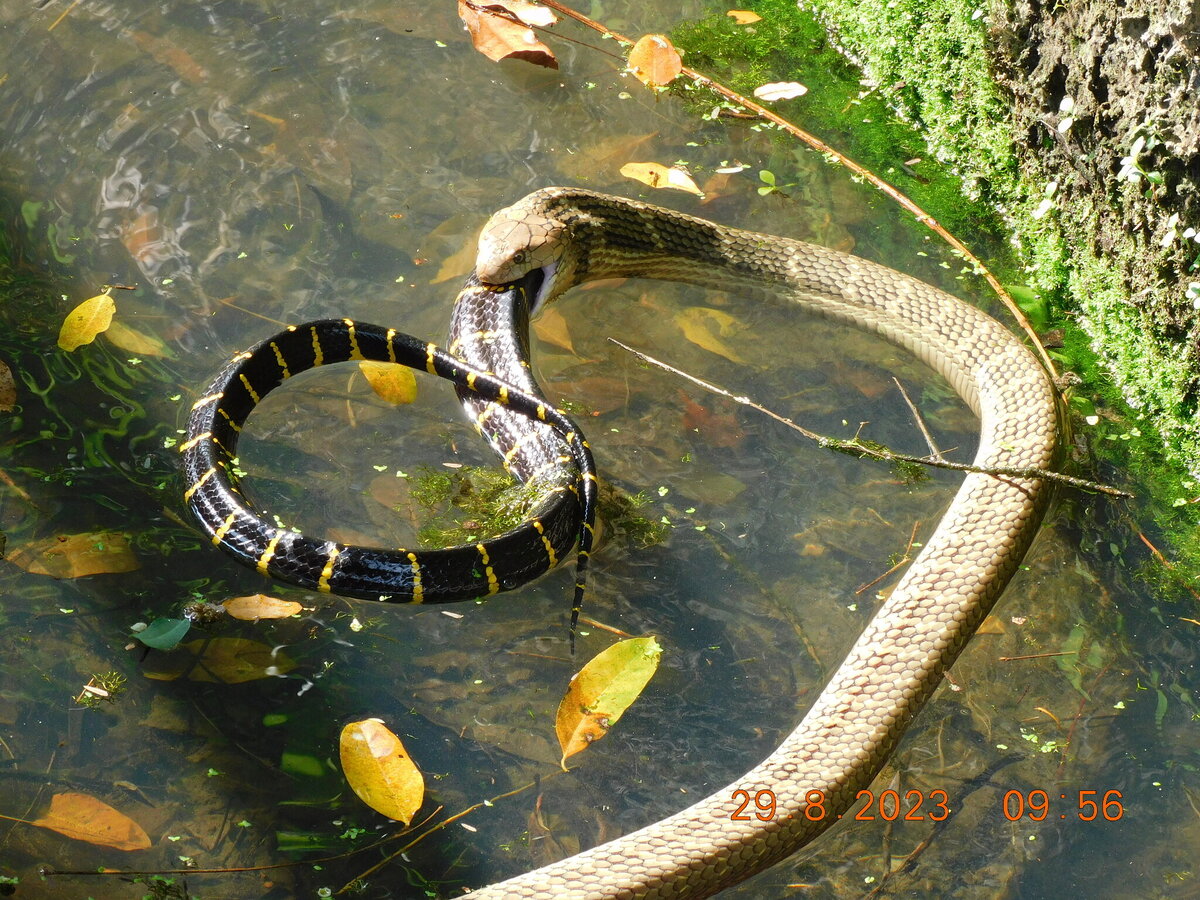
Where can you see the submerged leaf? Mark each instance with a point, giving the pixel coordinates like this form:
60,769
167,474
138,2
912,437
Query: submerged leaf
84,322
164,634
394,383
602,690
654,61
133,341
224,660
380,771
8,388
85,818
77,555
260,606
551,327
659,176
701,325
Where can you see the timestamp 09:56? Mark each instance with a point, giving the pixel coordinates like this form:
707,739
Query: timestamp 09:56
1035,805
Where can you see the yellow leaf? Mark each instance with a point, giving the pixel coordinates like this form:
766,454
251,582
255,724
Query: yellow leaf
602,690
380,771
551,327
654,61
133,341
698,323
84,322
604,155
85,818
260,606
457,264
77,555
394,383
744,16
780,90
659,176
224,660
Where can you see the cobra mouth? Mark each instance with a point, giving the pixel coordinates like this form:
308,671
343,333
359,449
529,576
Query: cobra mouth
537,283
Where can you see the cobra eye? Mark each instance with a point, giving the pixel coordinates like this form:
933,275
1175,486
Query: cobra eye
519,257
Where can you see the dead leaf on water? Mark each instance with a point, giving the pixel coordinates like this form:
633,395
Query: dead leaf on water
744,16
394,383
659,176
654,61
77,555
603,156
8,388
780,90
133,341
85,321
601,691
85,818
495,34
551,327
380,771
223,660
705,327
253,607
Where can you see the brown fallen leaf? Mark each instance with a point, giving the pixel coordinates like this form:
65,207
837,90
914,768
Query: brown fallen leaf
253,607
166,52
601,691
496,35
780,90
659,176
654,61
77,555
743,16
380,771
394,383
8,388
603,156
717,429
85,818
223,660
551,327
85,321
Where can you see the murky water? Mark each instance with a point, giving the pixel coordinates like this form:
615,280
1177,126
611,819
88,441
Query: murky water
245,165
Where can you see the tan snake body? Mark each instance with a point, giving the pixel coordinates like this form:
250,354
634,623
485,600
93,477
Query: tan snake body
897,662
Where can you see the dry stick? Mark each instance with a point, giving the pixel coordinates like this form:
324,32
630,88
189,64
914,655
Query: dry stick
856,447
819,145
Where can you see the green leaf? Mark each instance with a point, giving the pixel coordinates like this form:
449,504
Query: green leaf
1033,304
164,634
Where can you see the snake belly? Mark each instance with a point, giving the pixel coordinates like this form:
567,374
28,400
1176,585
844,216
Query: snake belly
896,664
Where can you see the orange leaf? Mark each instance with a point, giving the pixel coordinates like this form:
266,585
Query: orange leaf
659,176
85,818
380,770
654,61
744,16
84,322
77,555
497,36
394,383
551,327
260,606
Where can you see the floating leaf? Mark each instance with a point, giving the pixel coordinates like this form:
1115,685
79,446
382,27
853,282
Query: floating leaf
380,770
602,690
705,327
551,327
85,818
780,90
260,606
8,388
223,659
495,34
659,176
77,555
164,634
394,383
654,61
133,341
84,322
744,16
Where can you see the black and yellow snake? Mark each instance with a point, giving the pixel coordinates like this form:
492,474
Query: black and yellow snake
556,238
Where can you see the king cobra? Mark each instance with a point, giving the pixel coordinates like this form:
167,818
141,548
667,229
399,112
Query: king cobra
529,254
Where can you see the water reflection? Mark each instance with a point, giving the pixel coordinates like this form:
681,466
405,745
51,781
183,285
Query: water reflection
249,164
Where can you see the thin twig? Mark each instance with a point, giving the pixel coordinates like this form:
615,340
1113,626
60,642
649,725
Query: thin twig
919,419
856,447
820,146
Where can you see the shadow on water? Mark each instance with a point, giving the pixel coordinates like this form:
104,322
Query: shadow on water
245,165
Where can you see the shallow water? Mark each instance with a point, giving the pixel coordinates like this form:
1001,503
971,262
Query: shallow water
246,165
